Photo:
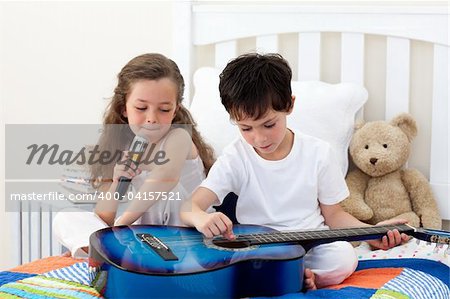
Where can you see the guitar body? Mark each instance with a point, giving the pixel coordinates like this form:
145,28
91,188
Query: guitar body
124,266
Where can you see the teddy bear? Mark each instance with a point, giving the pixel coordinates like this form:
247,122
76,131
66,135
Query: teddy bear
380,187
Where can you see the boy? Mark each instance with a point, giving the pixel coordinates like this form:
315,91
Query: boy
284,179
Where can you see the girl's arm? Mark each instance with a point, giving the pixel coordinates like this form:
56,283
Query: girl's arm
162,178
213,224
336,217
106,207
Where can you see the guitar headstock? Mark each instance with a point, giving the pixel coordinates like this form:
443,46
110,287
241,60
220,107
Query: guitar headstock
432,235
439,237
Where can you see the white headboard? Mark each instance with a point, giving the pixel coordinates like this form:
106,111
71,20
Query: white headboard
414,52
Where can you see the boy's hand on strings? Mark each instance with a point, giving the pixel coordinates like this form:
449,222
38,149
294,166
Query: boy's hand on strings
392,238
125,168
215,224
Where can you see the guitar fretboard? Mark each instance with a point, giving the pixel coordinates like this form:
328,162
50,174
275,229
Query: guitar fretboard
347,234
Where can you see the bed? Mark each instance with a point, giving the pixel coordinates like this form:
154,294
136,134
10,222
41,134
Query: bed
362,62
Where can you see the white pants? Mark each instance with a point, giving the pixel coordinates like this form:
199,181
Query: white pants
73,227
331,263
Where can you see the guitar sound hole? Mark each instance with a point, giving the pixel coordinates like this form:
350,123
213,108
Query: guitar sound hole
236,244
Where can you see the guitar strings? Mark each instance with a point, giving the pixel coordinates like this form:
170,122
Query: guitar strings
273,236
288,233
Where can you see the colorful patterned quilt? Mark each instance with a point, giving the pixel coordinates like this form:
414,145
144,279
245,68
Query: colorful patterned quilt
410,271
64,277
52,277
390,279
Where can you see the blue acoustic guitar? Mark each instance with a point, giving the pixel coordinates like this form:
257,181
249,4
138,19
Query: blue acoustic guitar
146,261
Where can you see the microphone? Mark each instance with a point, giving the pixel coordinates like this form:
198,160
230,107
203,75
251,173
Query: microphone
137,149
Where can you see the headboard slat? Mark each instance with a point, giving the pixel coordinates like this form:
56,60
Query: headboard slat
56,248
17,232
440,121
441,193
352,60
439,160
225,52
46,232
397,76
35,230
25,234
308,56
267,43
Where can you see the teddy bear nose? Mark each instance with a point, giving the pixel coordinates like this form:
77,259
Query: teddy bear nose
373,161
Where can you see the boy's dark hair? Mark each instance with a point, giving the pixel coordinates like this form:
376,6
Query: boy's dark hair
253,83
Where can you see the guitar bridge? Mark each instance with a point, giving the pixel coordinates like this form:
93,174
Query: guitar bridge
158,246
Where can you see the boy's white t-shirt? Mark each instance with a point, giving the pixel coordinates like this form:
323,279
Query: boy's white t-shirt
283,194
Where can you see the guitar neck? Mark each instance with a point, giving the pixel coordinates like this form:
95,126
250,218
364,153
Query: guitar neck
326,236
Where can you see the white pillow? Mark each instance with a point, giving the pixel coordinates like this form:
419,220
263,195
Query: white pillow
212,119
323,110
327,111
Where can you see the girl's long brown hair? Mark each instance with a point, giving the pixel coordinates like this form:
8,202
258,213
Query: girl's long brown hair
116,132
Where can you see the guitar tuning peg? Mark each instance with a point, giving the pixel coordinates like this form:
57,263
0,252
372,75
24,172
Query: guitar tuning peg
417,241
447,251
428,243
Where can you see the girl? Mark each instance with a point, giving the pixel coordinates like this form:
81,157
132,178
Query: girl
147,102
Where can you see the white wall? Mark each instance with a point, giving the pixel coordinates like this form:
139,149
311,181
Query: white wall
58,62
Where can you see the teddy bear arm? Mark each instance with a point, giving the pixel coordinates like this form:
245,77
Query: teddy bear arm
412,218
354,204
422,199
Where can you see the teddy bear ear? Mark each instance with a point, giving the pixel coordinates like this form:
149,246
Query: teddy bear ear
407,124
358,125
